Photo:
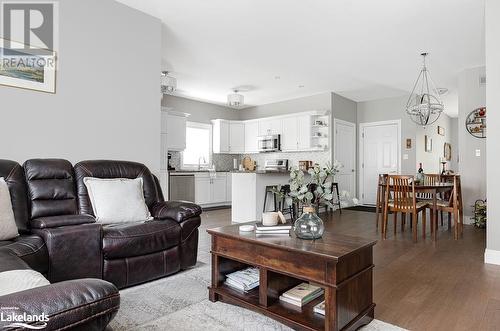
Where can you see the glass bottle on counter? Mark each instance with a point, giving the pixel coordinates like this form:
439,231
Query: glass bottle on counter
419,178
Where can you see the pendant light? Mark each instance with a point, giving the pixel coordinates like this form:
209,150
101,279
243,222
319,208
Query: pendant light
235,100
424,105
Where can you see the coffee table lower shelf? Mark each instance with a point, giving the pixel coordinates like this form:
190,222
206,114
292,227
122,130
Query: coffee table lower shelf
303,318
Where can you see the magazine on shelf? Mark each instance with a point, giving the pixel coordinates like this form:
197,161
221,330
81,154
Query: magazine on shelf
320,308
244,280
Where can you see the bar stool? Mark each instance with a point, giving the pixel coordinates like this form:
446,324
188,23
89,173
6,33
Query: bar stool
270,190
285,189
336,186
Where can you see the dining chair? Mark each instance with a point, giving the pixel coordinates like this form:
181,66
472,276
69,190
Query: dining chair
379,208
404,200
452,205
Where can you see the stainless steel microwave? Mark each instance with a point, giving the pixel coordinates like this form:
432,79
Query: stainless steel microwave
270,143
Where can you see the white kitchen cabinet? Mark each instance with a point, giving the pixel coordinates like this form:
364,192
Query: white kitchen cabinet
176,132
290,136
219,189
251,134
211,191
202,190
220,136
270,126
228,137
298,133
304,137
228,186
236,137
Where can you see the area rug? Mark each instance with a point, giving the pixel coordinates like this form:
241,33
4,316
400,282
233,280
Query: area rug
180,302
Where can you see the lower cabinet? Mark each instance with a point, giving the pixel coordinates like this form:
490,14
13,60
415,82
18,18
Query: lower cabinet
211,191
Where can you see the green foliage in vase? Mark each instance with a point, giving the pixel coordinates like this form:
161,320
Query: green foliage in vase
312,189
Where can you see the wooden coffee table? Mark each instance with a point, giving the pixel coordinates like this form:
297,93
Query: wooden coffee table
342,265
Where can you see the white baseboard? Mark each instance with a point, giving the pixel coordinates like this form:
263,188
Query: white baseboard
491,256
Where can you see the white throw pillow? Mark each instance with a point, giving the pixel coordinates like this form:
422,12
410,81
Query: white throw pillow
13,281
8,227
119,200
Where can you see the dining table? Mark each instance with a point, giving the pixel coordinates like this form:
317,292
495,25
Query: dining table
432,190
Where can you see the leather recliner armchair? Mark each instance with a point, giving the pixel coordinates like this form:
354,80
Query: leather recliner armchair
84,304
61,239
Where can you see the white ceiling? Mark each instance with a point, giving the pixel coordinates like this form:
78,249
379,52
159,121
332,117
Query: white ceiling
361,49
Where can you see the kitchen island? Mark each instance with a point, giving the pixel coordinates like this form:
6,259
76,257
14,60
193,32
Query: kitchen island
248,190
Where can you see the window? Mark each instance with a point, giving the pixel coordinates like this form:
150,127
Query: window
198,145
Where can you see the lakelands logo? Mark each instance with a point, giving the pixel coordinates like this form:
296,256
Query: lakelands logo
27,321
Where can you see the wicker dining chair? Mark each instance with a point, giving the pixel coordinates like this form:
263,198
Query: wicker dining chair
404,200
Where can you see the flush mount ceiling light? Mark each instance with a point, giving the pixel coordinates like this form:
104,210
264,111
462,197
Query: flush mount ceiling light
235,100
168,83
424,105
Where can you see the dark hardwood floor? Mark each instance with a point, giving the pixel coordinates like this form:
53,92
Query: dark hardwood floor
441,285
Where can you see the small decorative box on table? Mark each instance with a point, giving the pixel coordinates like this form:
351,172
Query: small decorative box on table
342,265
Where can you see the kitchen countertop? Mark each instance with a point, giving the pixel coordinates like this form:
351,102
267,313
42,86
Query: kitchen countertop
262,172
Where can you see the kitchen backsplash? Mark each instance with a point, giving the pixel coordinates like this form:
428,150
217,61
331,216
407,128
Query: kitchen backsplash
224,162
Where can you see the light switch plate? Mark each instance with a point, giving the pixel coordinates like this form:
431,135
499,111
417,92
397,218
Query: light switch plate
405,156
478,152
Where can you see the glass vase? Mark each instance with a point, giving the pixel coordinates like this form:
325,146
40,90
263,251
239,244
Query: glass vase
309,226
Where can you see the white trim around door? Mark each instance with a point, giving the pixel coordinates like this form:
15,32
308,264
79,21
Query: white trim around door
361,148
344,151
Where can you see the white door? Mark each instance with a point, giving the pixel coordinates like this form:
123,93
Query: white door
236,137
251,134
289,139
379,154
345,153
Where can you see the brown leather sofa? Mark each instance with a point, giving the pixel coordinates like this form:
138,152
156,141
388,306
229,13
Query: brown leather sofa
86,261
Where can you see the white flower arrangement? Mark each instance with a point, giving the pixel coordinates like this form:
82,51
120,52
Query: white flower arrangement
314,189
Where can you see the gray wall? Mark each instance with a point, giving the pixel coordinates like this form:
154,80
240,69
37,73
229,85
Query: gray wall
472,168
107,103
430,160
455,147
493,105
392,109
344,109
201,112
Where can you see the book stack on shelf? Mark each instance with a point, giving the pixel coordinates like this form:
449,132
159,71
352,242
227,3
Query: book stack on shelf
283,229
301,294
243,280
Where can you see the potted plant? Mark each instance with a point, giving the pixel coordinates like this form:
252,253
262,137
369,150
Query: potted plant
310,190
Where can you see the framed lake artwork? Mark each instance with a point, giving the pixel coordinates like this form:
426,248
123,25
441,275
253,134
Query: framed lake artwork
26,67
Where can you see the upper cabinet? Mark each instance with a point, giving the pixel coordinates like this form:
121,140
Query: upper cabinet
228,137
307,131
174,129
251,134
270,126
297,134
